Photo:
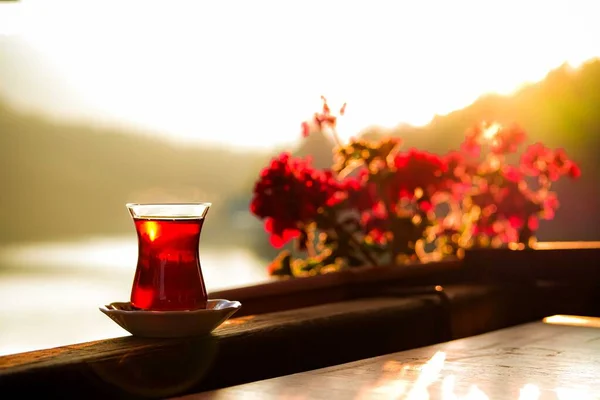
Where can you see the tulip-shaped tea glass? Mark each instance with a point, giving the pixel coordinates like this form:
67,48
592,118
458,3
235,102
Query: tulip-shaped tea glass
168,276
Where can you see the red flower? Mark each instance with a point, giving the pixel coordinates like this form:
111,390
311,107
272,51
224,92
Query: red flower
280,234
472,142
289,194
574,171
415,169
322,119
455,163
361,195
507,140
507,206
376,223
459,174
511,173
550,204
538,160
501,140
305,129
534,159
516,205
533,223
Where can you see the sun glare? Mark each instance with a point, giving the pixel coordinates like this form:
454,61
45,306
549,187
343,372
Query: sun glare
572,320
247,73
491,130
397,384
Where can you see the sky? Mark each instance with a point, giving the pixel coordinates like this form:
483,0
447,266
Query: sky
246,73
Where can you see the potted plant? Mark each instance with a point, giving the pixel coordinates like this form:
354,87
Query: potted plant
382,205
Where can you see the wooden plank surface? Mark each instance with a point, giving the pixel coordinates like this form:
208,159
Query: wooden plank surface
565,262
534,361
281,343
265,346
287,294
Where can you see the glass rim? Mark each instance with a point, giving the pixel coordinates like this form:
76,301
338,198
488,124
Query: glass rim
199,203
169,210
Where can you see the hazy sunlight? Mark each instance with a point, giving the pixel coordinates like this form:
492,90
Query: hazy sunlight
247,73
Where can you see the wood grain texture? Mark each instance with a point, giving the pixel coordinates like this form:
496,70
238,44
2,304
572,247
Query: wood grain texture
290,294
385,320
242,350
556,359
566,262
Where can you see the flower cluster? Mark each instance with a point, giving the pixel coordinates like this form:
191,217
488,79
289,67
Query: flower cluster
381,204
290,194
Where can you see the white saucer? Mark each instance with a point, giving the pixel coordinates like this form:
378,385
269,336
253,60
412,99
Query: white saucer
171,324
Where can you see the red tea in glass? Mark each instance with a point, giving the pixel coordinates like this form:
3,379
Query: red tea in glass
168,276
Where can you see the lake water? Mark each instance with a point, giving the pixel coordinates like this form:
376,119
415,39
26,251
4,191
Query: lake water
50,292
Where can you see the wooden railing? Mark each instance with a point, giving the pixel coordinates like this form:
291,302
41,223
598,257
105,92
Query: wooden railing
573,262
308,323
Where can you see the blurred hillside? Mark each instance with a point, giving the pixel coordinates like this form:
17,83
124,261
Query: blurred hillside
63,180
563,110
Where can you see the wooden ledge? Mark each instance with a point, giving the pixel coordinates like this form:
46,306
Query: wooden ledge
499,363
241,350
573,262
565,262
289,294
258,347
331,319
566,245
